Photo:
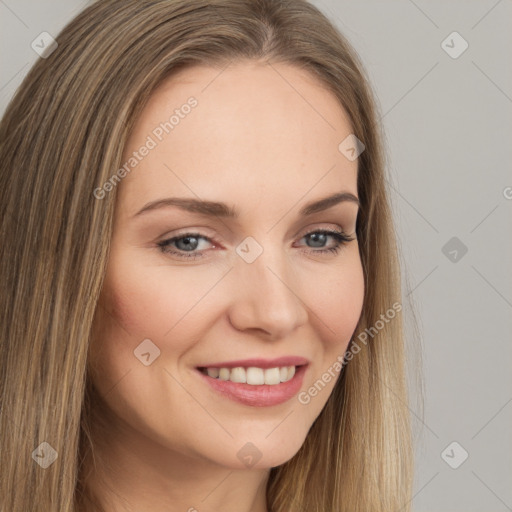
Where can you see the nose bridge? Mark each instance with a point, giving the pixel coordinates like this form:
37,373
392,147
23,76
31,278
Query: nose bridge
266,296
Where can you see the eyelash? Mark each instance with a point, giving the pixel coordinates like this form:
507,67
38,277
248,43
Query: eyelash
340,236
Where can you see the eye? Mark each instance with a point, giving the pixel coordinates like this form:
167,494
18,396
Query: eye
320,237
185,246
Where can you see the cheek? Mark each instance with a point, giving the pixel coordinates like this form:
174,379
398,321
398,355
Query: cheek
134,305
337,300
150,302
146,302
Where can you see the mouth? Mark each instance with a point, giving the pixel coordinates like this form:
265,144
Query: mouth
255,386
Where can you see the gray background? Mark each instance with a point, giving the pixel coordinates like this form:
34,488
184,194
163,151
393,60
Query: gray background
448,127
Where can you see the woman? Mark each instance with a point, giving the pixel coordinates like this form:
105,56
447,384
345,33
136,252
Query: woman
201,293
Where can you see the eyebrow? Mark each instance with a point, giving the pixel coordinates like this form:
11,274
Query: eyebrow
219,209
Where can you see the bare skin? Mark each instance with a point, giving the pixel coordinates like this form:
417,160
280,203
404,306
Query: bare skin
256,144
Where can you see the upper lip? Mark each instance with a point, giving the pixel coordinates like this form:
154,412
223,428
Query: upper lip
260,363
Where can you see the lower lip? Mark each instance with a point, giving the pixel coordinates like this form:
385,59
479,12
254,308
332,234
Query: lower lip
258,396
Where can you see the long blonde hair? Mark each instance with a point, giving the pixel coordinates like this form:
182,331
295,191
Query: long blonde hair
62,136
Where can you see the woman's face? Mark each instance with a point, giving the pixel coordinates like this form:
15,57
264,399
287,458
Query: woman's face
190,286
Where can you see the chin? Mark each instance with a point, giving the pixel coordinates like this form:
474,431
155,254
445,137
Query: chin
253,452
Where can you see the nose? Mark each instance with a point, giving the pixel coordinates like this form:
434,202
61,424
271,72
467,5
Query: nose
266,297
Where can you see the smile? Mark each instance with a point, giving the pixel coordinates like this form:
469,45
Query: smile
254,386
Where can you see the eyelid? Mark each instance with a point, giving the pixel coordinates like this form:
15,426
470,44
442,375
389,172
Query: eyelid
305,231
335,229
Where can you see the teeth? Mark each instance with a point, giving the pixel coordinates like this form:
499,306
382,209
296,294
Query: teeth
238,375
252,375
224,373
255,376
213,372
272,376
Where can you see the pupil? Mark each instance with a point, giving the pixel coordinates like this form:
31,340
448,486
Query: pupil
187,244
316,237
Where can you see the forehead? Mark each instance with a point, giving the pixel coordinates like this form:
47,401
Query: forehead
255,130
